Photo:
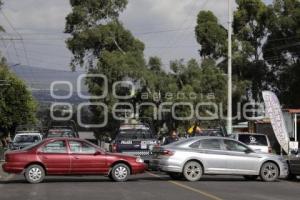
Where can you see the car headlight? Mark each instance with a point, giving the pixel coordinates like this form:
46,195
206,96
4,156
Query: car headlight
139,160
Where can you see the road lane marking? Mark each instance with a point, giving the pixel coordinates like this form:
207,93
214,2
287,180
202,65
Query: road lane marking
206,194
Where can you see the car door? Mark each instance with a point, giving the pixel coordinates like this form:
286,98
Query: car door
86,158
240,158
211,154
55,157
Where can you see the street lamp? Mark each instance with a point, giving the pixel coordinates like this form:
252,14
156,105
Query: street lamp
229,93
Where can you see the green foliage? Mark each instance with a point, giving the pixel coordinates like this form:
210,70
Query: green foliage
282,51
211,35
17,106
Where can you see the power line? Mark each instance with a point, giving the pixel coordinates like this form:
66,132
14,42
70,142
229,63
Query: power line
13,28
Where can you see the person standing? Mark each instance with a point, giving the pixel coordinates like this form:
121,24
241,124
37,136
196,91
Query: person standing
172,138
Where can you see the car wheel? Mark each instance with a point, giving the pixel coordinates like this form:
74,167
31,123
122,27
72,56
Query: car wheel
35,174
120,172
192,171
175,175
269,172
251,178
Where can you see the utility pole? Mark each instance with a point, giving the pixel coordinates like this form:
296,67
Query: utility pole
229,93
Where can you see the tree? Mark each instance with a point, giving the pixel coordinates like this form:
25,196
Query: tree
211,35
281,51
17,106
155,64
101,44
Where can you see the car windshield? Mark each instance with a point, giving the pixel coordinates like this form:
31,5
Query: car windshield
27,139
134,134
60,133
259,140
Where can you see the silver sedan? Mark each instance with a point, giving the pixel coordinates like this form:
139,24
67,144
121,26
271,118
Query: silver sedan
191,158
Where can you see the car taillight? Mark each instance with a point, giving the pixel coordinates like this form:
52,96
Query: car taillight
270,149
167,153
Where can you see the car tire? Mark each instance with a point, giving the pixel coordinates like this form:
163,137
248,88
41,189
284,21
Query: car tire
269,172
120,172
34,174
176,176
250,177
192,171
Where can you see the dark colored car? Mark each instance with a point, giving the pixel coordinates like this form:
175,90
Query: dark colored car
70,156
24,139
294,164
134,139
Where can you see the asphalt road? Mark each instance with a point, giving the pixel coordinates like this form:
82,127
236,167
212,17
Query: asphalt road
146,186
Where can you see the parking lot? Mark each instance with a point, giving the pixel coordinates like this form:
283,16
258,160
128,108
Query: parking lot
151,185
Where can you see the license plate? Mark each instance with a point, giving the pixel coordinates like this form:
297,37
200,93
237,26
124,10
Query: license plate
143,145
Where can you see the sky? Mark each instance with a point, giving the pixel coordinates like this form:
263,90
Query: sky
165,26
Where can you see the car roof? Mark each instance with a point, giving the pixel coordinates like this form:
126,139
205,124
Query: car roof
28,133
249,133
63,138
210,137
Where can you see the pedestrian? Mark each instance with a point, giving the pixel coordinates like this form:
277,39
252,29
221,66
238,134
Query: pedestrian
172,138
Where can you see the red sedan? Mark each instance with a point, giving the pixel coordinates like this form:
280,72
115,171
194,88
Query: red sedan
70,156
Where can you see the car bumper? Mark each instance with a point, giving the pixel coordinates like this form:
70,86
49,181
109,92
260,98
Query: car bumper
15,168
165,165
139,168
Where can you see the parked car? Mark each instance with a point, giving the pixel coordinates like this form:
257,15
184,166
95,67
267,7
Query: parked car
134,139
193,157
24,139
256,141
70,156
294,164
60,131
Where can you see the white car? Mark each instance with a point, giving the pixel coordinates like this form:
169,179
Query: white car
193,157
256,141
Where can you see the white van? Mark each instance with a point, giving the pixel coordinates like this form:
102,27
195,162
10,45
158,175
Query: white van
256,141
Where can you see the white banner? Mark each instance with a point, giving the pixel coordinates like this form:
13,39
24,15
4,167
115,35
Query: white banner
274,112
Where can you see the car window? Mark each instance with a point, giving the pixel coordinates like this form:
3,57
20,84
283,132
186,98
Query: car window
232,145
195,145
26,138
81,147
55,147
134,134
60,133
249,139
213,144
